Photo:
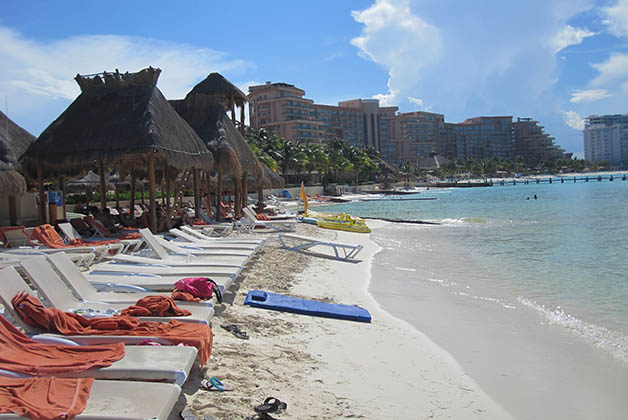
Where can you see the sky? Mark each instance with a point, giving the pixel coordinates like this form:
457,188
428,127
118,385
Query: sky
556,61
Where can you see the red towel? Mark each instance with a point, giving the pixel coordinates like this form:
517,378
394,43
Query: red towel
18,353
32,312
44,398
155,306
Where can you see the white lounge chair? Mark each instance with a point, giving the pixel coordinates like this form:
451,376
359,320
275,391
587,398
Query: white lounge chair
162,256
126,400
12,284
250,222
185,236
140,363
81,287
54,290
342,251
130,245
206,234
80,259
17,238
228,250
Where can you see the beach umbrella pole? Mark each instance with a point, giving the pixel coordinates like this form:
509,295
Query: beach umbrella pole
132,203
151,193
12,210
62,189
103,197
237,197
42,203
218,195
245,189
197,193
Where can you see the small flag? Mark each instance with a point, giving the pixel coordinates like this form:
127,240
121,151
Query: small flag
304,198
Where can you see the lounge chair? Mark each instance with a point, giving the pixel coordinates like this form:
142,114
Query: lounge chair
13,284
186,259
130,245
140,363
185,238
126,400
80,259
250,222
16,237
48,236
103,280
214,250
342,251
81,287
198,234
54,290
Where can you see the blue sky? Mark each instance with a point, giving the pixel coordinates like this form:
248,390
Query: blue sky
554,60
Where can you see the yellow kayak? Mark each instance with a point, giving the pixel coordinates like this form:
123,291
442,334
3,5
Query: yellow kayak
333,217
349,226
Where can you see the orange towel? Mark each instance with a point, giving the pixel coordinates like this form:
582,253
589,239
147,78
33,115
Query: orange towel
18,353
187,297
32,311
44,398
155,306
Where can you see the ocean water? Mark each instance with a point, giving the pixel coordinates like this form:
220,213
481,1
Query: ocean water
529,295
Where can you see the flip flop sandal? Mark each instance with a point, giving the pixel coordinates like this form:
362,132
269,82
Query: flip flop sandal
235,330
214,384
271,405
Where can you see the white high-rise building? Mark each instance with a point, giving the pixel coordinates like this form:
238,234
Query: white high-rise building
606,139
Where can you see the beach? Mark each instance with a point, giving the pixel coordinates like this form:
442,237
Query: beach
327,368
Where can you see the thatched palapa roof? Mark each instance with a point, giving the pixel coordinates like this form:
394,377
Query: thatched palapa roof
223,91
14,141
117,117
231,152
275,180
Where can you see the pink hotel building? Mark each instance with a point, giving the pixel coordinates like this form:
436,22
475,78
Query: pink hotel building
400,137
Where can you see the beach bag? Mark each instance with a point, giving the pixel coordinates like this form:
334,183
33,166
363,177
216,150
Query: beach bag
200,287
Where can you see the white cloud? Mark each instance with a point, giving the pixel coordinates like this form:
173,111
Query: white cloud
612,71
416,101
41,74
569,36
616,18
387,99
467,59
573,120
588,96
397,40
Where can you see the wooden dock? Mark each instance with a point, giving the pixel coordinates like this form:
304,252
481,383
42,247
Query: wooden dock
562,180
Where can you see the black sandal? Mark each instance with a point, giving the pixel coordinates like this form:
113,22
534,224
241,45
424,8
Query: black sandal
235,330
271,405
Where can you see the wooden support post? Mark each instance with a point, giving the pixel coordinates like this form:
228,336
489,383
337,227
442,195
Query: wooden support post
117,197
197,192
103,191
168,190
260,200
42,195
242,119
62,189
245,189
218,195
12,211
233,115
132,203
151,193
237,199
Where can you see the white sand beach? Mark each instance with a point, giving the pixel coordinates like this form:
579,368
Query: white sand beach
327,368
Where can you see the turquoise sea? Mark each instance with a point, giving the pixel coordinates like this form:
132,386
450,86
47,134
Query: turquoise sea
516,287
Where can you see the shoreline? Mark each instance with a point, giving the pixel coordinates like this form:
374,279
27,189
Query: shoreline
329,368
399,371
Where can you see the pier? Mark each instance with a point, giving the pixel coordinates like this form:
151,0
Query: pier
562,180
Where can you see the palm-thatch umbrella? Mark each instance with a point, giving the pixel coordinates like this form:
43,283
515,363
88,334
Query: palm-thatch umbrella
204,109
118,119
14,141
270,179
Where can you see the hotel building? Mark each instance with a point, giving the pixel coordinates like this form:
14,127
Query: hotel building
606,139
400,137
